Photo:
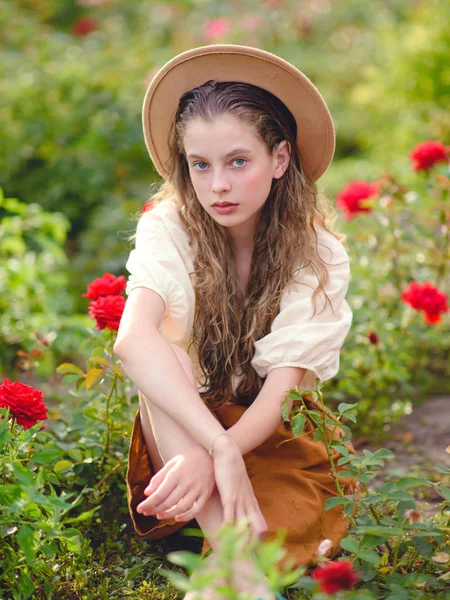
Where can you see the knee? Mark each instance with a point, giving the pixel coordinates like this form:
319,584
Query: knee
186,363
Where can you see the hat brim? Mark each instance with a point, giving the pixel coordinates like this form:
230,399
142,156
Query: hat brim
229,62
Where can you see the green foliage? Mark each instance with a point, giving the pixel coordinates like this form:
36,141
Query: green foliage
414,92
403,239
34,520
78,465
33,273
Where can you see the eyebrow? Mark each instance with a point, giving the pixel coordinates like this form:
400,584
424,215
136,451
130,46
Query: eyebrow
235,151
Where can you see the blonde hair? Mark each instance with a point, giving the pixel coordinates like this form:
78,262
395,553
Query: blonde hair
285,241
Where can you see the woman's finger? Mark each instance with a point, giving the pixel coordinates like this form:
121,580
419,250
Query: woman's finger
156,498
157,479
257,521
184,504
195,509
172,500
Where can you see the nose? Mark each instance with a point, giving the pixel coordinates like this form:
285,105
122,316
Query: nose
220,183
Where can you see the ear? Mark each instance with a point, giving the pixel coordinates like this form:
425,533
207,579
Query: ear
281,157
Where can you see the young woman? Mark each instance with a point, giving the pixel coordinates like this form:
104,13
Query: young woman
236,294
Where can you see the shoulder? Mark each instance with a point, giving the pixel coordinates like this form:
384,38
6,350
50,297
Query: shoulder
164,224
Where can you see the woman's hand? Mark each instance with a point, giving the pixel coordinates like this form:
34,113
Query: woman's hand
235,488
181,488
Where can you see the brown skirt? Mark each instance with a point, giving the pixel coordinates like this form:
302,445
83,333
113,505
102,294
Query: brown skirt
291,483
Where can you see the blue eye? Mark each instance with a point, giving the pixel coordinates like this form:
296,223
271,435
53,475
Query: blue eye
199,163
242,159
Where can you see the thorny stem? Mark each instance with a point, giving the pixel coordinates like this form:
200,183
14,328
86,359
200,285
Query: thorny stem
327,447
378,521
108,424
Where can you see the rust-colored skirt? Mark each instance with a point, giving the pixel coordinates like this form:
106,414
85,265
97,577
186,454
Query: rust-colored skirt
291,482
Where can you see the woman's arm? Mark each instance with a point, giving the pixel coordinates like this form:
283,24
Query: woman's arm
263,417
153,367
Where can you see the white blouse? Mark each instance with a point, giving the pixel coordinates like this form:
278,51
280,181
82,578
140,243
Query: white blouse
162,261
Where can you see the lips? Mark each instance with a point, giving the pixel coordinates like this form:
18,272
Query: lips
224,204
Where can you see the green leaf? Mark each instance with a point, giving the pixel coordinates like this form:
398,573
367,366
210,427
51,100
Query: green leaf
99,360
343,407
412,482
84,516
384,453
404,505
72,539
399,593
75,454
424,547
387,487
349,544
399,495
444,492
345,474
80,383
65,368
25,537
23,475
348,510
351,417
370,541
317,435
50,550
298,424
370,556
442,469
341,449
62,465
382,531
185,559
335,501
285,409
45,457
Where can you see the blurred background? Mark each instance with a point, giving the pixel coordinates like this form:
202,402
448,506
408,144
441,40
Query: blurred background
73,163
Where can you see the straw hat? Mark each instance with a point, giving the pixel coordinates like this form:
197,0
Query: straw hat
230,62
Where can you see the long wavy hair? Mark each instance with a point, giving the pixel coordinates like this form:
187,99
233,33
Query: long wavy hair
225,324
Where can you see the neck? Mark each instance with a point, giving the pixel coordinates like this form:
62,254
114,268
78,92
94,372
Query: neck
242,242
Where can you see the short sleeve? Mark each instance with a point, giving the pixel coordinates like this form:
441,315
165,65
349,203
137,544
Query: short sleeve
299,339
157,263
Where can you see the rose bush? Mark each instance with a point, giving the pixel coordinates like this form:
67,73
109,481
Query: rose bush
400,257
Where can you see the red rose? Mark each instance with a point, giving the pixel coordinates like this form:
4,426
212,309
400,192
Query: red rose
107,311
357,197
424,156
25,403
335,576
426,297
106,285
84,26
374,339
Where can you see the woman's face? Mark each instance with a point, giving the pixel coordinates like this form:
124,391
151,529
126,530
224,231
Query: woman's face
229,162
